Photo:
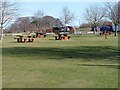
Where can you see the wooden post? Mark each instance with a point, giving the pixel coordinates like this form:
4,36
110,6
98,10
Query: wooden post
106,34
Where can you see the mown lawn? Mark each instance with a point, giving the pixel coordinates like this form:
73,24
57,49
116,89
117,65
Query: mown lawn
85,61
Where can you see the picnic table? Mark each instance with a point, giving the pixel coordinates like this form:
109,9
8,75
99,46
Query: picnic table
24,39
62,37
40,35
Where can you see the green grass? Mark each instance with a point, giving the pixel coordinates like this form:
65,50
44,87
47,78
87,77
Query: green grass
85,61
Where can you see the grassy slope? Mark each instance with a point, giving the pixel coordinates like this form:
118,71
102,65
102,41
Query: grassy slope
84,61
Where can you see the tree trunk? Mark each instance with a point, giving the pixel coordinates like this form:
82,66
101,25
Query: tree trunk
1,32
94,29
115,30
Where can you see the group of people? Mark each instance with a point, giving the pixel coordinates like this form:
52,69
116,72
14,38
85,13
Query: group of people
103,28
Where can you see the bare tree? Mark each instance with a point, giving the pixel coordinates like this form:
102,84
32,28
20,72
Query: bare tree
39,14
94,15
44,22
67,16
112,13
119,12
22,24
38,19
7,13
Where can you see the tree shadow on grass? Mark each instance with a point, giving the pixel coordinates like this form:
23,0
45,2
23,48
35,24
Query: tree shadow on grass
101,65
59,53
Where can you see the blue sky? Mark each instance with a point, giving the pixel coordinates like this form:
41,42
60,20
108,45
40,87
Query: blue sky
54,9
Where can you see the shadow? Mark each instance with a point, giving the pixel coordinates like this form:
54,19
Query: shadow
100,65
85,53
51,39
21,42
14,42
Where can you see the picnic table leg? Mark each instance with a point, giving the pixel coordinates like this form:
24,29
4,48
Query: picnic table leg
68,37
56,38
32,40
25,40
18,40
29,40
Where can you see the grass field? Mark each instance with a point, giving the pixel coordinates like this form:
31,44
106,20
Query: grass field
85,61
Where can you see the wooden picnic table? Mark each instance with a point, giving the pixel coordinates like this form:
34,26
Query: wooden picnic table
62,37
25,39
